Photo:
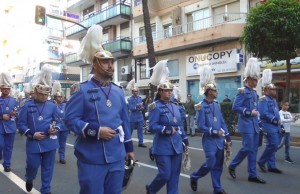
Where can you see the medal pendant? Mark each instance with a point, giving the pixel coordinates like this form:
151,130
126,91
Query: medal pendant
40,118
175,120
61,111
7,108
108,103
215,119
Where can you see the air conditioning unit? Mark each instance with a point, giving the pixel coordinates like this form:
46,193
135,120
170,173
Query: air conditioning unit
124,70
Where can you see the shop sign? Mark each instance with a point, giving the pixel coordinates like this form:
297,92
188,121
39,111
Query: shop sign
279,65
220,62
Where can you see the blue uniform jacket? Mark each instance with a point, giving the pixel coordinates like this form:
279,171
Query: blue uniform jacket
6,106
269,114
136,114
28,124
61,116
86,111
209,126
161,121
246,100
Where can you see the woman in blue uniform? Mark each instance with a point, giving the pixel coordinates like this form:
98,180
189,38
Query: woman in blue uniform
165,123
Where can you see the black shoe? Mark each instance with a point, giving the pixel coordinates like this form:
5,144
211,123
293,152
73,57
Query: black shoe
62,161
29,186
194,184
7,169
142,145
275,170
232,172
147,190
257,180
48,193
221,192
262,167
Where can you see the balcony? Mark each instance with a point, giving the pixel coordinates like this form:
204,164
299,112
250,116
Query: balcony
217,28
111,15
121,47
62,77
72,60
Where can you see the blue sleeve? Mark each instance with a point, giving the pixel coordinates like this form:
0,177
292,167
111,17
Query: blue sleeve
154,125
22,122
125,118
201,124
132,105
238,105
263,111
74,113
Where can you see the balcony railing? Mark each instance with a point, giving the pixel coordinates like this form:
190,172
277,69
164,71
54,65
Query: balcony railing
120,44
195,26
101,16
71,58
59,76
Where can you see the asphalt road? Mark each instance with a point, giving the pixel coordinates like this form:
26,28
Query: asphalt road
65,176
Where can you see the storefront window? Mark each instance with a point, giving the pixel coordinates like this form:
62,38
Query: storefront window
227,86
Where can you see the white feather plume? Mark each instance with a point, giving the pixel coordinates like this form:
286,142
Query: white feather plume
56,87
44,77
26,88
160,73
252,68
176,92
206,77
130,85
6,79
91,43
266,77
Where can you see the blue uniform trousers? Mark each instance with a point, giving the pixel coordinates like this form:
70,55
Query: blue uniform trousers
214,165
100,179
6,147
249,149
139,125
268,156
46,160
168,173
62,140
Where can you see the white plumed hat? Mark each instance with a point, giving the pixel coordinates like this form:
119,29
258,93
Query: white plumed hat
56,88
132,85
266,80
207,79
160,75
6,81
252,69
42,82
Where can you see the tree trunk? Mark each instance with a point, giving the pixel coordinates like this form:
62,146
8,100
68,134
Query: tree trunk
149,41
288,81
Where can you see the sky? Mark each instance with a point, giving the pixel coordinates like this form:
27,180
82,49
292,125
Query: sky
20,37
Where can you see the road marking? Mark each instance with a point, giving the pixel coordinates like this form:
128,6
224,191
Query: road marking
17,180
154,167
151,141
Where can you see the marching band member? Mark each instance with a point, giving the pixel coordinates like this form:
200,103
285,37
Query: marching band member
8,112
246,105
165,123
37,121
211,123
97,113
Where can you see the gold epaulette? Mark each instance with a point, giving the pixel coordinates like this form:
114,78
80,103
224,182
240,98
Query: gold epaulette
262,98
22,103
241,90
197,106
151,106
